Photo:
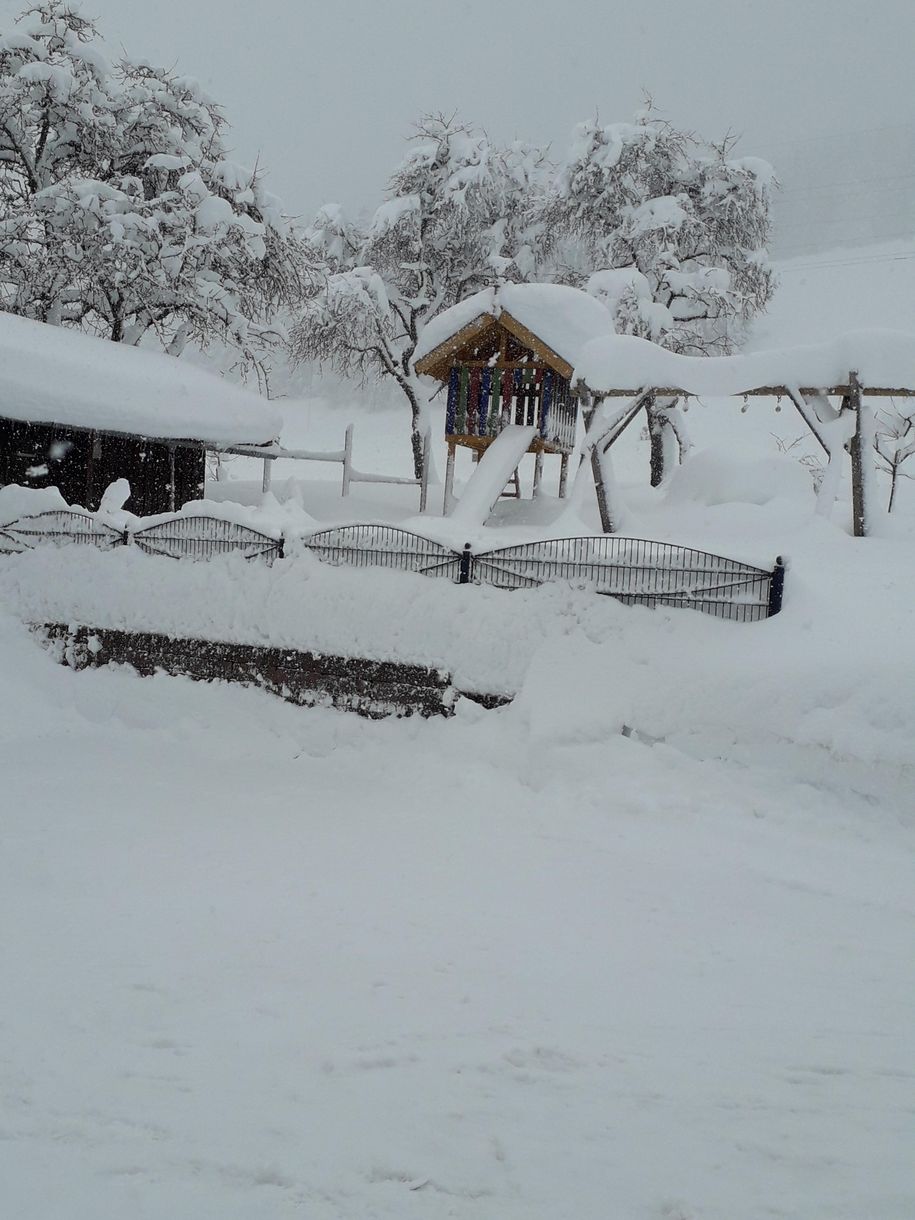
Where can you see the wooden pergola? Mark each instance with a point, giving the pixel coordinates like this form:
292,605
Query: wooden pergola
847,427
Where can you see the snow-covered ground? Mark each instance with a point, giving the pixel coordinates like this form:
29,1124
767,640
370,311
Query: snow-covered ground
265,961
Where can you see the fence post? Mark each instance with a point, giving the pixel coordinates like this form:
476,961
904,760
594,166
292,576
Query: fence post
464,572
427,462
347,458
776,586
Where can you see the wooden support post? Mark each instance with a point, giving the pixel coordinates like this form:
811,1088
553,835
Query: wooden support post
538,472
347,458
427,463
563,476
266,475
172,496
808,415
603,499
448,501
861,457
600,445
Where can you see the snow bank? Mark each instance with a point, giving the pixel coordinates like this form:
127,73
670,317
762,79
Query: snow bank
485,637
53,375
267,961
583,664
713,476
881,358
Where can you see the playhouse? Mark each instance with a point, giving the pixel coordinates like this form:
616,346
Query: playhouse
507,356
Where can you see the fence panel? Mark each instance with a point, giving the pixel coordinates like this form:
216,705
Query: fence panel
204,537
384,546
57,526
634,571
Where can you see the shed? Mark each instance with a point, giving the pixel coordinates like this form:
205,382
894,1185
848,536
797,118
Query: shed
507,355
77,412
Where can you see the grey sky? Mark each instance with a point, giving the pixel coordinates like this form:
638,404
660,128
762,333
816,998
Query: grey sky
325,92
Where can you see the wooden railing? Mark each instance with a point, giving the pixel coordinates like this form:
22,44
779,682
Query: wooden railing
483,400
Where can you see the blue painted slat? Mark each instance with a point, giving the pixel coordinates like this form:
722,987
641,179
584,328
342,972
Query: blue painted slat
454,381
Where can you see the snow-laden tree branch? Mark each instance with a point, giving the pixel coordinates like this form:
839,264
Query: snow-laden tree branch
120,211
669,233
452,223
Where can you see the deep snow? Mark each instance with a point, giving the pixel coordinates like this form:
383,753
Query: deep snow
259,960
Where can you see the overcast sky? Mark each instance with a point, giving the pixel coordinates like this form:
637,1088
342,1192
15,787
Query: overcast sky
324,92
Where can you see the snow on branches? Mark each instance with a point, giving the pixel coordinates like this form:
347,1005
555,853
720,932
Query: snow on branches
119,209
445,230
670,234
682,227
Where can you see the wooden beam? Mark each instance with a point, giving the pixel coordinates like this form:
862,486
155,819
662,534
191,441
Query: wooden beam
771,391
808,416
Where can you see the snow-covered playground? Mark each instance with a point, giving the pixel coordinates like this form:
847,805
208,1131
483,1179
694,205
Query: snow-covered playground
457,684
638,944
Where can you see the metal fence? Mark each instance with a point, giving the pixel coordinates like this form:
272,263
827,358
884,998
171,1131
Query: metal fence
58,525
204,537
637,572
178,537
632,570
384,546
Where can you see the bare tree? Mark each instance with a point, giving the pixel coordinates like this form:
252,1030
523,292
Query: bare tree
894,444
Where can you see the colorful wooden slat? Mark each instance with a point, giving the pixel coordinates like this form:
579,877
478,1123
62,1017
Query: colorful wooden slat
508,382
473,403
517,391
462,401
528,397
546,401
483,414
454,381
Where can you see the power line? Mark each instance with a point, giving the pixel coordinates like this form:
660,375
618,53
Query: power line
853,262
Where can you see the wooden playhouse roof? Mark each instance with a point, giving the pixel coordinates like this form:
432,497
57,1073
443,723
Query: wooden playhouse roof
551,320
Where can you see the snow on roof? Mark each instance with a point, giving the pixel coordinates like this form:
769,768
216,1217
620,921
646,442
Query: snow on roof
564,318
883,359
52,375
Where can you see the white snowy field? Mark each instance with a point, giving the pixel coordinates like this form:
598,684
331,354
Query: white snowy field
266,961
259,960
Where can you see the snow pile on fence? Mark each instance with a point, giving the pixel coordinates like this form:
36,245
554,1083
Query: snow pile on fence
53,375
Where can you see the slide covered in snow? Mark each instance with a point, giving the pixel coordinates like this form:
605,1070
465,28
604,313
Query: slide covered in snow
494,471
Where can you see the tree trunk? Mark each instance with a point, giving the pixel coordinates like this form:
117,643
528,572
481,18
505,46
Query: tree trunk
862,459
669,444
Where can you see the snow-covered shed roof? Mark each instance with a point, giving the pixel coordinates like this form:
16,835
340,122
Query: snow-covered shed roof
563,320
884,360
52,375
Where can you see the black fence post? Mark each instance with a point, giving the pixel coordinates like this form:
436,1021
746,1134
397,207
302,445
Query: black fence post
464,572
776,586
